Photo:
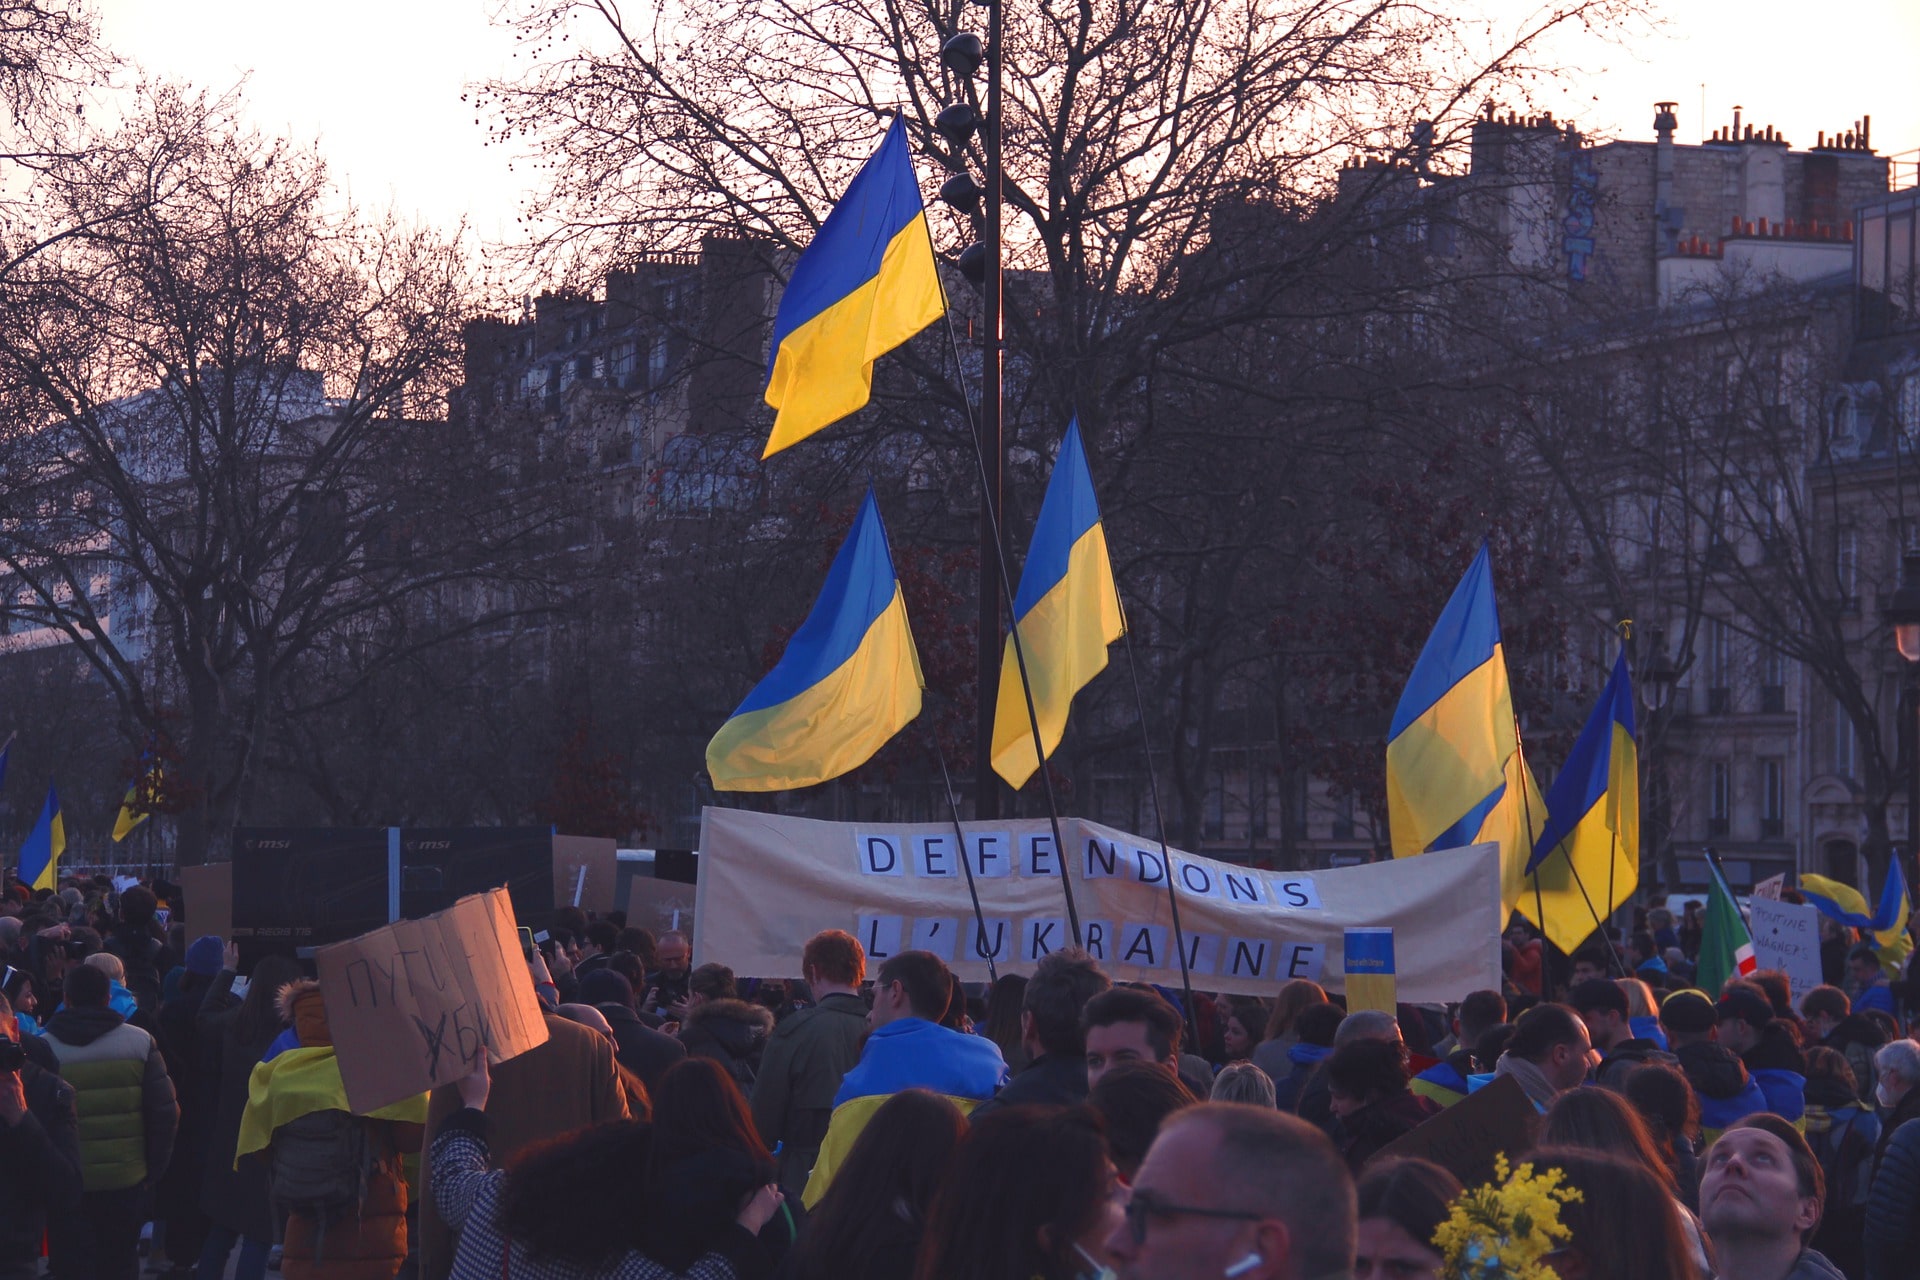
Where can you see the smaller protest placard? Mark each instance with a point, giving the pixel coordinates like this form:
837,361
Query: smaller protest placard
1465,1138
208,897
1786,936
1369,970
585,873
661,906
417,1003
1769,889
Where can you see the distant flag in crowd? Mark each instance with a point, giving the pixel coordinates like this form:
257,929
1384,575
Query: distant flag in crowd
1726,948
848,681
865,285
40,855
1455,772
1848,905
1067,611
124,825
1593,822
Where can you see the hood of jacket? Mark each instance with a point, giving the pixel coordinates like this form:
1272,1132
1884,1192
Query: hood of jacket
1830,1094
1713,1072
1305,1055
736,1025
912,1053
82,1026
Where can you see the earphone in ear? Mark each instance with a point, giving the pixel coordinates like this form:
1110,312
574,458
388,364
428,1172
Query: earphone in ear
1243,1266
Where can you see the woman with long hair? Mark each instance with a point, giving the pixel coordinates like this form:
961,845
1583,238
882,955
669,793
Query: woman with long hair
869,1223
1401,1204
706,1159
1003,1018
1294,998
1243,1029
1030,1195
235,1033
1624,1226
1601,1120
1661,1096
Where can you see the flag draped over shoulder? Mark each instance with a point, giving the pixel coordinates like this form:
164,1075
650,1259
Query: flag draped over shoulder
1593,823
1888,923
1726,948
865,285
1455,772
40,855
848,681
1067,612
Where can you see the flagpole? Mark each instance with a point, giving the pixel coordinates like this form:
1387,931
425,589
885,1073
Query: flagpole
1160,823
966,863
1013,630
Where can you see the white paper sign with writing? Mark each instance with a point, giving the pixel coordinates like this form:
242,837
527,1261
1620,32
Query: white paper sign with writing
768,883
1786,936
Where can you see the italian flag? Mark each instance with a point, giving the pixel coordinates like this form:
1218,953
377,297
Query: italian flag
1726,948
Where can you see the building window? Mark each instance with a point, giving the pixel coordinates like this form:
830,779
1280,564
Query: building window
620,363
1719,667
1846,565
1773,798
1773,680
1214,822
657,361
1843,740
1720,799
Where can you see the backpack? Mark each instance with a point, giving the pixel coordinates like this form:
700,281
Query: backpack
320,1165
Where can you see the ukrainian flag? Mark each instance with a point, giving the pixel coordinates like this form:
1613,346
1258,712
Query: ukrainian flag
1067,612
40,855
129,819
1593,824
865,285
849,680
1455,772
1844,903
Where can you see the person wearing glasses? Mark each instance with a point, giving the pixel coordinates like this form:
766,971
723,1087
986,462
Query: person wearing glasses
1233,1192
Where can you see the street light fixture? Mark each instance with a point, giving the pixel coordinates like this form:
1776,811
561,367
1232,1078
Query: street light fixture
1903,611
1658,678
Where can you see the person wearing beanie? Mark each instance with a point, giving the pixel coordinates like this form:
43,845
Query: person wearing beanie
1688,1018
638,1047
204,956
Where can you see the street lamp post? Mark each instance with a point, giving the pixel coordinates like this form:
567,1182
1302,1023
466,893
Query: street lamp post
1903,615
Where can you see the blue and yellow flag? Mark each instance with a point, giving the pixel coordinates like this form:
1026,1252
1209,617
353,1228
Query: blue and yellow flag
865,285
1067,611
40,855
1887,924
848,681
1455,772
1593,823
130,818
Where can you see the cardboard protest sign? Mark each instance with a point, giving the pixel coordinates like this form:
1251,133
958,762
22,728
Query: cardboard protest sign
208,895
662,906
1466,1137
1786,936
598,859
767,883
1369,964
415,1004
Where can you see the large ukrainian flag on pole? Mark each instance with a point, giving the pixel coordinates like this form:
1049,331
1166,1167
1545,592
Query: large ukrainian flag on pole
40,855
865,285
848,681
1588,860
1455,772
1067,612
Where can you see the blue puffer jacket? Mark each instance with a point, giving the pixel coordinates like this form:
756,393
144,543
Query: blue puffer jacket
1786,1091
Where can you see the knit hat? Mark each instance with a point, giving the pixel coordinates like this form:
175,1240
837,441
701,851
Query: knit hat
604,986
1688,1012
205,956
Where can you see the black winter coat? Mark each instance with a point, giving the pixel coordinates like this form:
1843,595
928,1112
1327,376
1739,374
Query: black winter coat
732,1033
39,1170
237,1201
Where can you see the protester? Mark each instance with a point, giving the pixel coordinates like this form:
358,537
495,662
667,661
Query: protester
1002,1021
1030,1193
1643,1012
810,1053
1295,998
1237,1191
1871,988
1824,1008
1666,1104
717,1024
1548,1053
1368,1094
119,999
637,1047
1600,1120
1316,1028
1720,1080
1242,1082
669,974
1591,963
194,1066
1446,1081
1130,1025
1858,1036
869,1224
1134,1099
1523,958
907,1048
1843,1135
1623,1225
1768,1047
1242,1029
127,1114
1050,1032
706,1160
139,946
40,1161
1315,1104
1892,1238
237,1033
1400,1204
1687,1017
1760,1199
334,1175
564,1210
17,986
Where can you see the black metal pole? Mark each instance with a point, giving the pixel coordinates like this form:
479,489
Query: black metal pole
1910,735
992,445
966,863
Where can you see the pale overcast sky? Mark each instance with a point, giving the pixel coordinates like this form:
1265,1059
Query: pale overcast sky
378,82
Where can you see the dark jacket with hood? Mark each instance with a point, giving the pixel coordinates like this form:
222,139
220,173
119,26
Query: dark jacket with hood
806,1058
638,1047
1726,1091
1360,1135
1858,1038
1842,1134
1306,1058
1892,1241
236,1199
122,1094
732,1033
39,1170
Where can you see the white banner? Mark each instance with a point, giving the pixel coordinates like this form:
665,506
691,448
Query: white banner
768,883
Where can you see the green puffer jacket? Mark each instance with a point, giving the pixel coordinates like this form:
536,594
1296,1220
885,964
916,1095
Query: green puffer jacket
122,1093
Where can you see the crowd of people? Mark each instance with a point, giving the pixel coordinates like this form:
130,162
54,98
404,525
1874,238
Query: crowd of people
891,1123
